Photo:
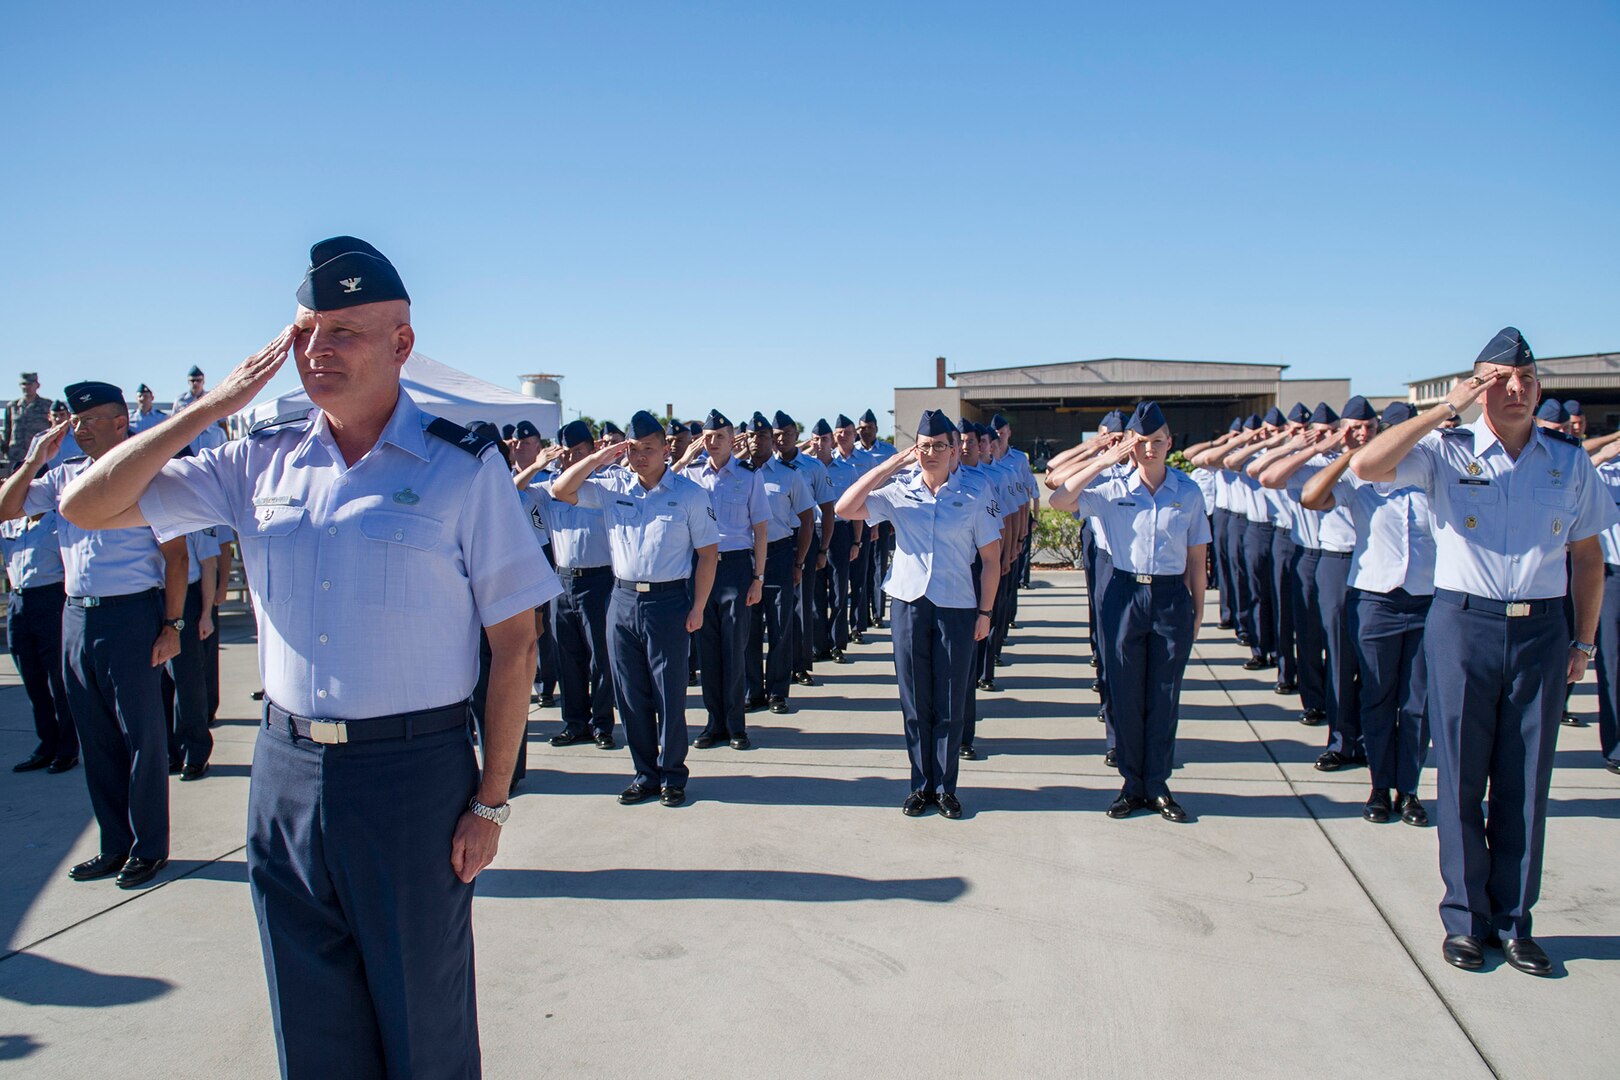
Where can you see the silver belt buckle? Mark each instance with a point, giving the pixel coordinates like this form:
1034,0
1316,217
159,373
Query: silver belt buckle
643,586
328,732
1144,579
1518,611
88,601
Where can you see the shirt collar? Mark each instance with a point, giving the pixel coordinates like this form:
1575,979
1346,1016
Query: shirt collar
404,429
1485,438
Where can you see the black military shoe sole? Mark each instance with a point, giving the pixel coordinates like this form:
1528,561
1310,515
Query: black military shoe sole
103,865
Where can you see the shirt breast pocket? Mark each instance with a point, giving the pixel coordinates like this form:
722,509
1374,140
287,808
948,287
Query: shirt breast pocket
666,524
270,551
402,545
732,512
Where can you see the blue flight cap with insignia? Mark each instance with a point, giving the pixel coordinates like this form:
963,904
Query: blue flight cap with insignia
143,389
1299,414
87,395
997,422
525,429
644,424
610,428
509,431
59,406
694,428
821,427
196,372
1359,408
757,422
715,421
1237,424
1508,347
868,417
1572,407
1274,417
675,429
934,423
345,272
1324,414
1113,420
843,421
1552,410
1252,423
1397,412
573,433
1147,418
783,420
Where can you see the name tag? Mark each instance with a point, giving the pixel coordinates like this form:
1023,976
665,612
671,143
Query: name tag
624,502
1473,482
277,500
1123,502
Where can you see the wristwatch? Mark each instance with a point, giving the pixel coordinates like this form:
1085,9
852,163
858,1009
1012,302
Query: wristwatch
175,624
1447,403
497,814
986,614
1589,649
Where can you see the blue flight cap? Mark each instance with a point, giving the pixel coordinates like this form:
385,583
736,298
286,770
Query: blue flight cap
675,428
783,420
843,421
1237,424
1324,414
715,421
694,428
997,422
821,427
1147,418
1398,412
196,372
345,272
509,431
1274,417
967,427
610,428
59,406
524,430
87,395
1252,423
484,429
1359,408
574,432
757,423
1113,420
644,424
1299,414
935,423
141,389
1572,407
868,418
1507,347
1552,410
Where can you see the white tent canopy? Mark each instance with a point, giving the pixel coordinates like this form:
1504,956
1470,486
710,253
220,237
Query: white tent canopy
441,390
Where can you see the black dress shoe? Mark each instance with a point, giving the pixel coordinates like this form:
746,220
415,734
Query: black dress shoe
103,865
257,695
1524,954
948,805
604,740
637,793
1125,806
1377,808
1612,766
62,764
1169,809
692,679
175,765
999,662
820,655
754,704
548,700
838,657
1571,720
1257,663
1227,625
672,796
740,742
777,705
1411,810
857,638
138,871
1286,688
193,772
1111,759
967,753
1092,660
916,805
1463,951
569,738
704,741
32,762
989,686
1312,717
1333,761
534,699
803,678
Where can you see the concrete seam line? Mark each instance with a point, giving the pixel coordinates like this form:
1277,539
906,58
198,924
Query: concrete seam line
1360,884
126,900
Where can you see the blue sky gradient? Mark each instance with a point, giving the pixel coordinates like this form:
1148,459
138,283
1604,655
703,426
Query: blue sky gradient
800,206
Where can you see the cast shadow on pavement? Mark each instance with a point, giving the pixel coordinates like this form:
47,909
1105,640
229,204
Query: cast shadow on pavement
32,979
631,883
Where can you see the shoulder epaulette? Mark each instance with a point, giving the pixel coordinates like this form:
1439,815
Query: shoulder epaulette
470,441
1562,435
75,459
278,422
1458,432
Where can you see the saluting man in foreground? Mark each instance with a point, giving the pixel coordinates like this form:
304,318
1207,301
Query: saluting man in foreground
377,540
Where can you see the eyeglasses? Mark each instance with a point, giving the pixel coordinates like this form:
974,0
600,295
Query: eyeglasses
933,448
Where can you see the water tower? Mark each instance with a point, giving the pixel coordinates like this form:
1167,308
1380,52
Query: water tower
542,386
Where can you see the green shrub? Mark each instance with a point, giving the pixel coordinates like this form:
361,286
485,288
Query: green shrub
1057,535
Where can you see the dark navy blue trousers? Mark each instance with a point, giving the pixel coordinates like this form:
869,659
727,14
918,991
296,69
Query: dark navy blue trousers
804,607
1104,563
113,690
832,589
34,638
1088,563
647,648
366,930
1149,635
1608,664
723,645
184,686
933,662
1310,640
1496,691
1232,567
770,671
1343,682
1220,523
1283,601
1388,632
1262,594
877,570
970,700
860,573
584,675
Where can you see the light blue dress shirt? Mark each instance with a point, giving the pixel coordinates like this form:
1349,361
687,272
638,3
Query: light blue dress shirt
787,495
651,534
107,562
877,452
68,449
579,534
841,476
200,544
936,538
1501,526
33,552
1325,530
981,485
139,421
1394,541
1148,532
370,582
737,495
1205,479
815,474
1609,474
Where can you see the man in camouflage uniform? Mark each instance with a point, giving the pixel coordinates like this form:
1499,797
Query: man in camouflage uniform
26,417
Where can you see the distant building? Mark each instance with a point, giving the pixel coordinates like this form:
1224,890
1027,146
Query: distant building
1593,379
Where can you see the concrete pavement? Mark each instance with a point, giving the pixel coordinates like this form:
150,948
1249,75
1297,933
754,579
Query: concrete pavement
791,922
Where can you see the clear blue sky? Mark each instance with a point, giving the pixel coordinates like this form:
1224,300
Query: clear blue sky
800,206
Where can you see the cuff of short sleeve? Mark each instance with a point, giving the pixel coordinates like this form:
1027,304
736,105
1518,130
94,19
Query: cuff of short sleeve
537,594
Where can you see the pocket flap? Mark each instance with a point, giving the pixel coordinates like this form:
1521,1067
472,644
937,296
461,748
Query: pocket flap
391,527
277,520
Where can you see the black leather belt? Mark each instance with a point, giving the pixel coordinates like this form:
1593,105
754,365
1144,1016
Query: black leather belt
109,601
55,586
777,545
740,553
583,571
1512,609
1149,579
1326,554
649,586
399,726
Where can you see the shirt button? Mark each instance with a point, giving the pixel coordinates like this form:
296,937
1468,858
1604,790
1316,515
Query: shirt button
323,639
326,584
399,534
320,693
331,530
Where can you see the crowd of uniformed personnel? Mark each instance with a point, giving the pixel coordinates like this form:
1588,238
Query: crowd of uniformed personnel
614,570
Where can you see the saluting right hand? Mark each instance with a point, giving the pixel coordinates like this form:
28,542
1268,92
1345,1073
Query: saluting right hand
48,442
1469,390
246,379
